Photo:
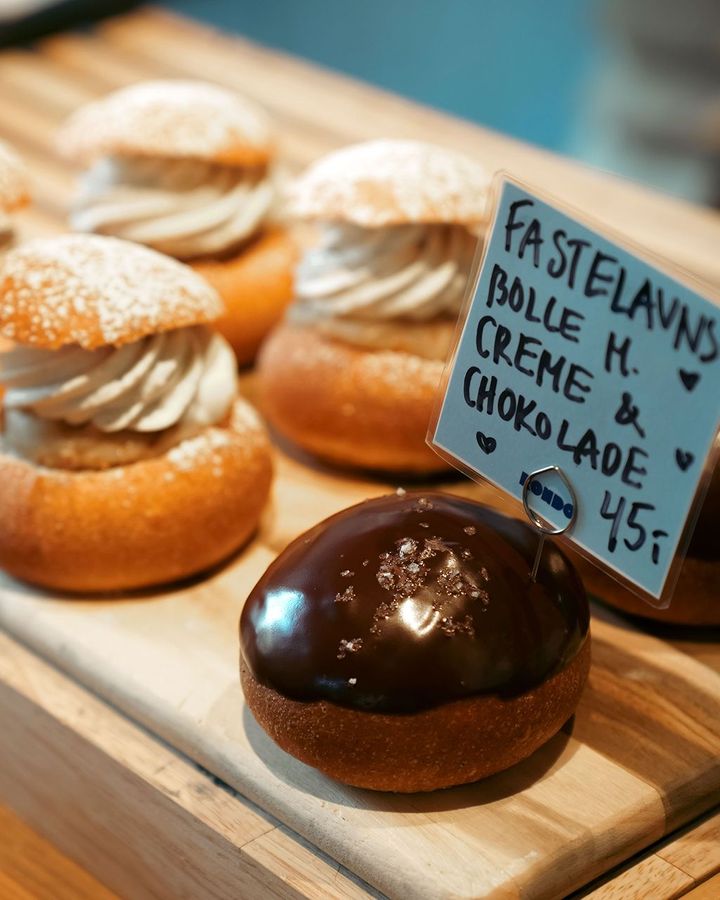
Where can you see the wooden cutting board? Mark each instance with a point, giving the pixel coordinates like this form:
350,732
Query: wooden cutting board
643,754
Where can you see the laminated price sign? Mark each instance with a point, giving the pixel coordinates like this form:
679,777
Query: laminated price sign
578,353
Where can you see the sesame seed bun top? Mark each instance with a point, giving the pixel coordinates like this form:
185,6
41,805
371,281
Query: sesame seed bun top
392,182
93,291
177,119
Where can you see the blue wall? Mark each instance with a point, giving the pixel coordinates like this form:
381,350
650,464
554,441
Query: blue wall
514,65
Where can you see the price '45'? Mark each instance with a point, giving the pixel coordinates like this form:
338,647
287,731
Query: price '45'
627,525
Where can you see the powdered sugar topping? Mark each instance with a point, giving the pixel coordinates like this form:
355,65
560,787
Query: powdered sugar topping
93,291
388,182
173,118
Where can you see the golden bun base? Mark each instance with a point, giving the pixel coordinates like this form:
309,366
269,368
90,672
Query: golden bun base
696,600
256,286
451,744
148,523
53,444
348,406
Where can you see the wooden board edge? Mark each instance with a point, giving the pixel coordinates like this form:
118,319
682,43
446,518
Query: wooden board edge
709,890
665,870
141,818
65,754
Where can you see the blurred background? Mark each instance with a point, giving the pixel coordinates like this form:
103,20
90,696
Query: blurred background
632,86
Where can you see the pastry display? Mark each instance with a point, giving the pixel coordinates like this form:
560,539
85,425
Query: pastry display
696,598
400,645
185,167
14,191
127,458
238,658
352,375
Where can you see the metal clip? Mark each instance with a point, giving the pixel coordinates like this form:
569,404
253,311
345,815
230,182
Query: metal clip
540,524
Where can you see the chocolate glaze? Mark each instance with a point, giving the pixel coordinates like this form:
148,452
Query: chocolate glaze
403,603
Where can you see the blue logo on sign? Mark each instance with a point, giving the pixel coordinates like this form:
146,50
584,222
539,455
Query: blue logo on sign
553,500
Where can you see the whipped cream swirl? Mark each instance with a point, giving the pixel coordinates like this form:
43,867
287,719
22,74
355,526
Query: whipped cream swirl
185,208
187,375
411,272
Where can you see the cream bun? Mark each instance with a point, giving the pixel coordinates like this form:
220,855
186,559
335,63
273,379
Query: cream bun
126,456
14,191
352,373
185,168
424,657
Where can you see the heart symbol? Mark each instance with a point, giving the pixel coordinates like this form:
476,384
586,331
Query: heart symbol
689,379
684,459
485,443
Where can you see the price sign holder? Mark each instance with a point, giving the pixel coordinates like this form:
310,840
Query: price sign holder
584,380
541,525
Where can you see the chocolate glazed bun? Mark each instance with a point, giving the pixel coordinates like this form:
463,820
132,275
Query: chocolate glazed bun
401,646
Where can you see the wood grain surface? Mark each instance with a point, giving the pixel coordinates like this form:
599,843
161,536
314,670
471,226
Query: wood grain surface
129,808
31,868
710,890
37,702
643,754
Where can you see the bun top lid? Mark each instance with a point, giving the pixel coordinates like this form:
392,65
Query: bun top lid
404,603
175,118
93,291
393,182
14,180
